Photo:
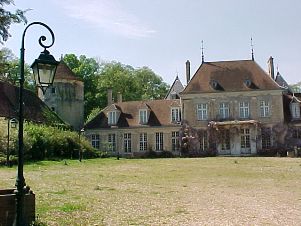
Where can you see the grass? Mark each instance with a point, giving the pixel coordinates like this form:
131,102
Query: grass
199,191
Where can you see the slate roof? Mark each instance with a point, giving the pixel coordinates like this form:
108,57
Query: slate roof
64,72
230,76
159,110
34,108
175,89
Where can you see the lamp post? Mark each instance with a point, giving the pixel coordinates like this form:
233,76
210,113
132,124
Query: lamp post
44,69
80,147
11,123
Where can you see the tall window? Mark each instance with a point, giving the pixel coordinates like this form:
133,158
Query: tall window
159,141
264,108
127,142
53,90
95,141
224,110
175,144
295,110
175,114
266,138
245,138
143,116
203,139
225,139
112,118
143,142
202,111
297,133
112,142
244,110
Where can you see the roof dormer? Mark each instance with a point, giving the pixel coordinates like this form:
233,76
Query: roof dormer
144,112
113,114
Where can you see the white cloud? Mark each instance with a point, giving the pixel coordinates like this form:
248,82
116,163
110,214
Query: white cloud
107,14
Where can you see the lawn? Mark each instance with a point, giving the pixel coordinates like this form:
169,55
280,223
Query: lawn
198,191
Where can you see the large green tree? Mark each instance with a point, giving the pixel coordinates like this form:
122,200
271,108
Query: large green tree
134,84
7,18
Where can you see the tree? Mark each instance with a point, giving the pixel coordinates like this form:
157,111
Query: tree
10,69
134,84
152,85
7,18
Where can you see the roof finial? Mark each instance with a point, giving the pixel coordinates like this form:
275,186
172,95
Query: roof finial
202,51
252,49
277,69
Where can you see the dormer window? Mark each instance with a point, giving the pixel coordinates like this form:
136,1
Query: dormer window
295,110
248,83
175,114
112,118
143,117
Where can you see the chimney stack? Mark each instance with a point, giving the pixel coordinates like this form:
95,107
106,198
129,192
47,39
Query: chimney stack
119,97
271,67
110,96
187,71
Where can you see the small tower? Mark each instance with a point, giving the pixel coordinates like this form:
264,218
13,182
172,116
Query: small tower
66,96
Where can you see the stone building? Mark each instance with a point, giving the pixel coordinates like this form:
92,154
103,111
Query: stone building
228,107
134,127
66,96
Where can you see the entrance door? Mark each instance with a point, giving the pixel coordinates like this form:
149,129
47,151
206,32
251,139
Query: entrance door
225,142
245,146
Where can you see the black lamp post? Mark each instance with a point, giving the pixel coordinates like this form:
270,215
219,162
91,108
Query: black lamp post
44,70
11,123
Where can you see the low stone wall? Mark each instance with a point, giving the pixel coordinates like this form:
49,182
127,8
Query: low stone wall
8,206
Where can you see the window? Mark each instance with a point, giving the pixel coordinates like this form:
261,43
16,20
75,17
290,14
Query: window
143,116
244,110
112,142
127,141
245,138
159,141
297,133
53,90
264,108
112,118
224,110
295,110
225,139
175,114
95,141
203,139
202,111
143,142
175,144
265,138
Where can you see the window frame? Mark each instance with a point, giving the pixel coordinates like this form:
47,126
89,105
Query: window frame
244,109
95,141
224,110
159,141
143,142
143,116
175,142
175,114
202,111
264,107
112,142
112,118
127,142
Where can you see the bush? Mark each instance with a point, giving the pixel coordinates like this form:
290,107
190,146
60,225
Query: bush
45,142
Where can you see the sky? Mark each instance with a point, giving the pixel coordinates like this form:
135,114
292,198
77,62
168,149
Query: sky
164,34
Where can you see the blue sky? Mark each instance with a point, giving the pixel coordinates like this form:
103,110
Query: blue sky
163,34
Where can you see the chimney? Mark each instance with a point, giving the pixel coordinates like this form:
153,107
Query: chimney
187,71
271,67
110,96
119,97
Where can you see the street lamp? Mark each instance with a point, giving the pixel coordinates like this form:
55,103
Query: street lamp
80,154
43,68
11,123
